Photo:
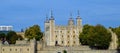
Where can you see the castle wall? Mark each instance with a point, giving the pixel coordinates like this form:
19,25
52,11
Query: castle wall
18,48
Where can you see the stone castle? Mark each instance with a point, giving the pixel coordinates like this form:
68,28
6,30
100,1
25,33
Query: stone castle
56,40
63,35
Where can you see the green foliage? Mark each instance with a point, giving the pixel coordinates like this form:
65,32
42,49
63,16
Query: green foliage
64,51
33,32
117,31
85,34
20,37
2,36
95,36
11,37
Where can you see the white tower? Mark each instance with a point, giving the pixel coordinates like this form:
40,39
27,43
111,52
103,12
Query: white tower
49,31
78,27
79,23
52,29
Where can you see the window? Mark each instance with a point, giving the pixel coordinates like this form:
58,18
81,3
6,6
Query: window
73,31
3,49
68,42
61,31
74,42
59,52
56,36
68,36
28,49
62,42
62,36
73,36
15,49
10,49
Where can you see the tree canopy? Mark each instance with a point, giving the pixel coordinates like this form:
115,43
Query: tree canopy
2,36
11,37
95,36
33,32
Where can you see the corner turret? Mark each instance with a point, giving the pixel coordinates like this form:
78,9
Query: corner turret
79,22
71,21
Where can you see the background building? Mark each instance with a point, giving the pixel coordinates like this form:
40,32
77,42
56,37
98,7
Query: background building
6,28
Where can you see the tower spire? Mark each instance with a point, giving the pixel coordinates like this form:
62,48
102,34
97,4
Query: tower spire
46,17
52,15
47,20
78,13
70,14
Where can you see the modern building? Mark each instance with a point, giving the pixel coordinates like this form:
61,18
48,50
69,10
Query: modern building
6,28
67,35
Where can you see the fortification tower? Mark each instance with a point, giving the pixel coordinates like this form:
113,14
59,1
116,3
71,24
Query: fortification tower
79,23
47,31
78,27
52,29
70,21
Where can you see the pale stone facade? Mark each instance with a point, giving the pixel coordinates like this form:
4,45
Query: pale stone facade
19,47
63,35
57,39
113,44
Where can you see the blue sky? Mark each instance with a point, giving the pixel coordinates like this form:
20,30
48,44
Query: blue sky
24,13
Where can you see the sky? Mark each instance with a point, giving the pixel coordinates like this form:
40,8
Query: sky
22,14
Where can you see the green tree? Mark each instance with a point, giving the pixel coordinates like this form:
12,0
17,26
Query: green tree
64,51
33,32
20,37
85,34
95,36
11,37
2,36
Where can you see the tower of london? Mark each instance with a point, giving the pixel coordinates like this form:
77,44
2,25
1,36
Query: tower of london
68,35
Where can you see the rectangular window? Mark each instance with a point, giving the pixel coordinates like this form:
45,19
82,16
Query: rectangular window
56,36
62,42
28,49
61,31
73,31
10,49
15,49
68,36
3,49
74,42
